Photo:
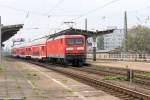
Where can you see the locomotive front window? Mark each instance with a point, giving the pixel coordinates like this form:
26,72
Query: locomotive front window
78,41
74,41
70,41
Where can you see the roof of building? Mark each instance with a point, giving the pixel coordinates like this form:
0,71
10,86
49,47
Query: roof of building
72,31
10,30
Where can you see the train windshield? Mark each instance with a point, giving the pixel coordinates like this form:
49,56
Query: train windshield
74,41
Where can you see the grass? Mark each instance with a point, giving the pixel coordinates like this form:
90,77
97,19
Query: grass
6,98
32,77
17,83
147,74
122,78
24,98
144,73
40,94
1,67
68,91
65,81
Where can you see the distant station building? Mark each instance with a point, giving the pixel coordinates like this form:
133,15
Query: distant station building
114,40
108,42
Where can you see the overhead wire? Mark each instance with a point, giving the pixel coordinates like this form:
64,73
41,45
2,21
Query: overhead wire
57,4
46,14
37,12
53,8
27,12
98,8
139,19
22,10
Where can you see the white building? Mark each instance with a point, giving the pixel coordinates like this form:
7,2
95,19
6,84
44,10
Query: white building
111,41
114,40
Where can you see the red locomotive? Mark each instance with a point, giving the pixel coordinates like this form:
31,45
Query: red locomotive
65,49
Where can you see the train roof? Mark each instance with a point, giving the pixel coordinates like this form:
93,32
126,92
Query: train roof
65,36
33,42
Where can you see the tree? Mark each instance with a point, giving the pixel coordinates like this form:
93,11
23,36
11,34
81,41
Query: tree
138,39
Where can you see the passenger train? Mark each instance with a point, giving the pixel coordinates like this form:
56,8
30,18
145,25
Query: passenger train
64,49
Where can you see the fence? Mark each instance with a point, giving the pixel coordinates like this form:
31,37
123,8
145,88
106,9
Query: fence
121,56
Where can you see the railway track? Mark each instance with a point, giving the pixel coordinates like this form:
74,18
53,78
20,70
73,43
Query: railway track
118,91
140,79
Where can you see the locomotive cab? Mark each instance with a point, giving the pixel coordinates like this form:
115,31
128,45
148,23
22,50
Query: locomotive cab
75,50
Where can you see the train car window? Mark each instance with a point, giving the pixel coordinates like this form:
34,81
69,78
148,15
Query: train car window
36,53
61,41
29,49
42,48
74,41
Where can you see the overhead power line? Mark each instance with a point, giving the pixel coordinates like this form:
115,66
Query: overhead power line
35,12
98,8
22,10
29,12
140,9
57,4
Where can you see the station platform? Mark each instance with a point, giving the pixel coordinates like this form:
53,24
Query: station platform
143,66
23,81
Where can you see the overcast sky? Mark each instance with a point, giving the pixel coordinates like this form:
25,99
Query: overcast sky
48,15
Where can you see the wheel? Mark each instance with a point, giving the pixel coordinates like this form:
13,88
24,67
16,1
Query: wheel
74,64
77,63
64,63
80,63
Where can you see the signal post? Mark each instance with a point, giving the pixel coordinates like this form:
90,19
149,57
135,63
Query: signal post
94,45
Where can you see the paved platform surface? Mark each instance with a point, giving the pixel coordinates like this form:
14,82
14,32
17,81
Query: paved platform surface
20,80
144,66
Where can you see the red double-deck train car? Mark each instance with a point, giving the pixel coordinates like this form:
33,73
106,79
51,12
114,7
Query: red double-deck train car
65,49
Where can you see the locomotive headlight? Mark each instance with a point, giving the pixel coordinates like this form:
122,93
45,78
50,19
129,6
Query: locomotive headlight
69,48
80,48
